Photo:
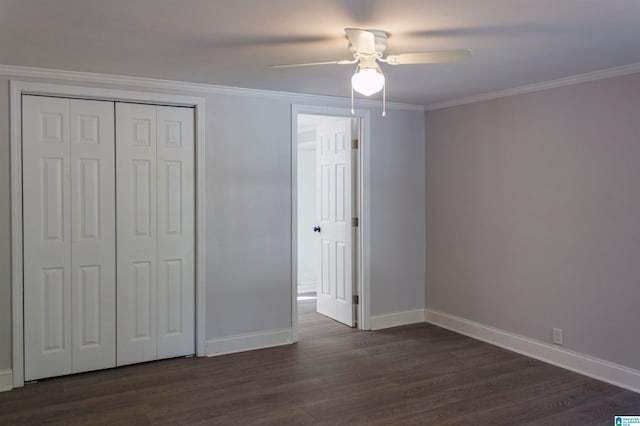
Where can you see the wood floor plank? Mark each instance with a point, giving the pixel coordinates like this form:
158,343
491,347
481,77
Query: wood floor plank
417,374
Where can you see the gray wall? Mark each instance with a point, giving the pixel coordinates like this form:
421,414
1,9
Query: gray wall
533,215
397,222
249,214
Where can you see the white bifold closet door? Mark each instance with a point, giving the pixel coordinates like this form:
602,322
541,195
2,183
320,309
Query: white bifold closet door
69,236
109,238
155,235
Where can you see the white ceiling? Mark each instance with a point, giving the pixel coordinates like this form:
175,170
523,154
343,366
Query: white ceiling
233,42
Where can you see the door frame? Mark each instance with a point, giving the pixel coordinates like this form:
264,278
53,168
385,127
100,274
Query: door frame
19,88
362,263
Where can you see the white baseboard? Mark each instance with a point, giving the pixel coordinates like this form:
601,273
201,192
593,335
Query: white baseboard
395,319
587,365
248,342
6,380
307,287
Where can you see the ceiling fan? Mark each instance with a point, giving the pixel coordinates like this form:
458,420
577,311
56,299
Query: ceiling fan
367,47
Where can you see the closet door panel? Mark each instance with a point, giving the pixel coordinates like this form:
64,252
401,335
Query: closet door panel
93,234
176,217
136,233
47,237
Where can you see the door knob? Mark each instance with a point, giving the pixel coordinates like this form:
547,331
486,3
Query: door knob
316,229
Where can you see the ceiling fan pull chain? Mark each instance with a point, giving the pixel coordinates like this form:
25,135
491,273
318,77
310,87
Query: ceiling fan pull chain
352,111
384,100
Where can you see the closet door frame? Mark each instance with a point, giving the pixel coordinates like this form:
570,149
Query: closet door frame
19,88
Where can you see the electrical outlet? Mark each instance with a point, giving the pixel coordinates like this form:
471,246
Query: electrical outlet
557,336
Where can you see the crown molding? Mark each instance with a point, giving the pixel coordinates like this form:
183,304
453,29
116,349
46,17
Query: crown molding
200,88
536,87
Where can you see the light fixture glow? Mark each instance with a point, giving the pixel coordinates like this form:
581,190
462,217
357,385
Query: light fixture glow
367,81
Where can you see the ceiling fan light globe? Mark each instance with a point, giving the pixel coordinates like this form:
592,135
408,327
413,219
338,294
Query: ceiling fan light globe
367,81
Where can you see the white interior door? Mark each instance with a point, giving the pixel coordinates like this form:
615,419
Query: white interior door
47,237
136,234
176,232
93,228
69,246
156,233
333,205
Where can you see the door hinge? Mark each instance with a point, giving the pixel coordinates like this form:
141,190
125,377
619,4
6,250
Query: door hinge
356,299
355,222
354,144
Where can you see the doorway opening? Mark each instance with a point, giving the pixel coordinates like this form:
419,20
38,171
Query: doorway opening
328,237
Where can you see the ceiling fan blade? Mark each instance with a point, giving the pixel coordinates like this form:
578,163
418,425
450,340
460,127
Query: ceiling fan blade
310,64
361,40
436,57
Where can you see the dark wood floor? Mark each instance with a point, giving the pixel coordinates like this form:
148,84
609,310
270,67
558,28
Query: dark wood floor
417,374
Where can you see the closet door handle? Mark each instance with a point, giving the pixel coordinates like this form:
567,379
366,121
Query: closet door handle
316,229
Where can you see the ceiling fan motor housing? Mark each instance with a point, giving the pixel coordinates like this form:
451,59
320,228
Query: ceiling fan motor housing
381,41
